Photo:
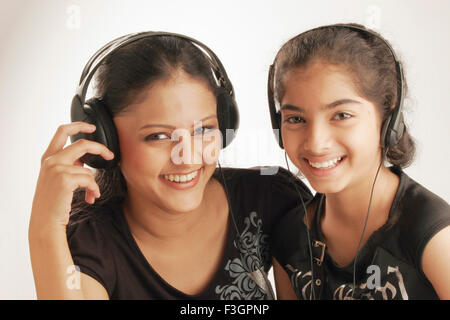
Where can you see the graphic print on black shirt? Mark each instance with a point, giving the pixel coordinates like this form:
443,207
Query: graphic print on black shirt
251,257
389,264
103,247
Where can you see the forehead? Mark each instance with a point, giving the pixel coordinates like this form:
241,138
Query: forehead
318,82
173,101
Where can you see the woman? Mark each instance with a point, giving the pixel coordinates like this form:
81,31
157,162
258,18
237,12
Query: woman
158,221
374,233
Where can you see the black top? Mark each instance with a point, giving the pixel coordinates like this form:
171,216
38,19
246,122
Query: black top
103,247
388,265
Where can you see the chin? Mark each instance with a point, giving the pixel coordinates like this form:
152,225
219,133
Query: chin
327,187
184,204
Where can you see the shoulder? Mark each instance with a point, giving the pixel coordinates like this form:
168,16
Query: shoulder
90,236
270,191
275,178
91,218
92,229
420,208
239,174
422,215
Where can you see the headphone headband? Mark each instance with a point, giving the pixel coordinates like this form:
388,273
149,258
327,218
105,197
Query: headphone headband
96,60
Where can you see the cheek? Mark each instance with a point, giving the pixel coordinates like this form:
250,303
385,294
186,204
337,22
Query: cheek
292,141
362,142
140,159
211,145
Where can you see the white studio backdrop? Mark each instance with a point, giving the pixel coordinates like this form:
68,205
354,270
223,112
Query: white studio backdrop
46,43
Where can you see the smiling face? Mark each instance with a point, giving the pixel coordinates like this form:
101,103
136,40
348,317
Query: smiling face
330,132
147,157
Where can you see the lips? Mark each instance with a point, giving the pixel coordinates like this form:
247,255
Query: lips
181,181
325,166
181,178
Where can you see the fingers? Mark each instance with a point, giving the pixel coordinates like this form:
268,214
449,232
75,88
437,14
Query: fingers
65,131
58,169
55,154
72,153
73,177
88,183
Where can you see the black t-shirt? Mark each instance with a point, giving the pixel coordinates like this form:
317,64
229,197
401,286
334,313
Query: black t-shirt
103,247
388,265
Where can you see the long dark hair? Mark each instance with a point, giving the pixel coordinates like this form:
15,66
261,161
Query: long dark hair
368,60
123,76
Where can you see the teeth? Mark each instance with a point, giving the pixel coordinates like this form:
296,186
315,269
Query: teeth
326,164
181,178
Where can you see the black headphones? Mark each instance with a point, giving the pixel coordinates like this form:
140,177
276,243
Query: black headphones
394,125
95,112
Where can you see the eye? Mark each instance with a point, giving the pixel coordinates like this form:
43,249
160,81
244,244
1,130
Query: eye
157,136
294,120
342,116
203,130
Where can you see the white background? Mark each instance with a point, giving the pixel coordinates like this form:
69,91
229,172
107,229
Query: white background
45,44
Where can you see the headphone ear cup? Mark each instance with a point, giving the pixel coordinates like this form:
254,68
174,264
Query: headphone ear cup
275,117
227,115
278,128
392,130
384,133
95,112
396,132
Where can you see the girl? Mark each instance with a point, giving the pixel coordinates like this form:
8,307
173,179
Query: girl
372,232
147,225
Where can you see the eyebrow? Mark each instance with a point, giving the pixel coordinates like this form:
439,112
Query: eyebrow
327,107
152,125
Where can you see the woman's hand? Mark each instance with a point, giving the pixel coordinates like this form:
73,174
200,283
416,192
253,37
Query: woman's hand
62,173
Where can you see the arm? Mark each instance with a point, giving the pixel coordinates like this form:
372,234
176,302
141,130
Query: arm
61,173
436,262
54,275
282,283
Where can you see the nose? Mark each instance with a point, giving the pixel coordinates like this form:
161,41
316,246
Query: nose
318,138
186,149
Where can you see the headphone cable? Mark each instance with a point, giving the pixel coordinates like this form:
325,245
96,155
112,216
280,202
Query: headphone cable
312,295
364,229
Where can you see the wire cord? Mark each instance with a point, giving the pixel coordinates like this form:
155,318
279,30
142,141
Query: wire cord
364,230
312,295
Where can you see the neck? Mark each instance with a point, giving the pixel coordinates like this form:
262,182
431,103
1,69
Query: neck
148,222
